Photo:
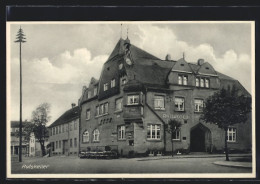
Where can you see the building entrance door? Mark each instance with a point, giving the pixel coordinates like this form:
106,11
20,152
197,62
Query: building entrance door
199,138
65,147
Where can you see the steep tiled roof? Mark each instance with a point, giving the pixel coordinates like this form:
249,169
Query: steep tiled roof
15,124
68,116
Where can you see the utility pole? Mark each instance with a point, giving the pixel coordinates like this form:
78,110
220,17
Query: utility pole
20,38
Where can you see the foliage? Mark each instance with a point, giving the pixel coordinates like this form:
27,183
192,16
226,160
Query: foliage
40,117
225,108
173,125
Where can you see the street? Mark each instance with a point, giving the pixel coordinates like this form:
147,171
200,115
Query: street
56,165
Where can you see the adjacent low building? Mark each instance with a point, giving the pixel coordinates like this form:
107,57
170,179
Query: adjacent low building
15,138
64,133
129,106
35,146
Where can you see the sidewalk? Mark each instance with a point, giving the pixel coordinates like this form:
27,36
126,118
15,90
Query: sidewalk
194,156
234,164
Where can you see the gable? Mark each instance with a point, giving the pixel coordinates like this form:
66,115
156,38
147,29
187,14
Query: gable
207,69
182,66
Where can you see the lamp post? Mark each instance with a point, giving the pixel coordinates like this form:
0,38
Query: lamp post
20,38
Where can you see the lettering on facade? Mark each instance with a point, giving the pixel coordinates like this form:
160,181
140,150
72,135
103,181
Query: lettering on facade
175,116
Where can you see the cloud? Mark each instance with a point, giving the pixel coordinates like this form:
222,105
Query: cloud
57,80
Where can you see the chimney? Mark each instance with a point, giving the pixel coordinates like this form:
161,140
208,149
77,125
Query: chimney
200,62
73,105
168,57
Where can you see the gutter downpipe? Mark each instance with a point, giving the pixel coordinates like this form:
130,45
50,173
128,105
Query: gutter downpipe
164,131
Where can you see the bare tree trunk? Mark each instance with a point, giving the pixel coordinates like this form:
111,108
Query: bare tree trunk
226,147
172,148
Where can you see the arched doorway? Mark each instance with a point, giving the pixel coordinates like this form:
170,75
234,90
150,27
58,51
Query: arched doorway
200,138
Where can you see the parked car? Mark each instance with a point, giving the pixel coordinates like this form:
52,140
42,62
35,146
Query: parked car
99,154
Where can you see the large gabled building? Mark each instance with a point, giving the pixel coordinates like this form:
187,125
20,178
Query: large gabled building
128,108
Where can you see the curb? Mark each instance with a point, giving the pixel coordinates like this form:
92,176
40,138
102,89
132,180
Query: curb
230,164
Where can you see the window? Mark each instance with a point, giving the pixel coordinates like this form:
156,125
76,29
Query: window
106,107
56,128
70,124
183,80
119,104
53,131
121,132
88,114
113,83
75,142
96,135
63,128
123,81
67,127
105,86
232,134
71,143
95,91
75,125
133,99
180,80
159,102
154,132
56,144
50,132
207,83
85,136
179,104
97,110
176,135
60,129
101,109
197,82
59,144
201,82
198,105
89,94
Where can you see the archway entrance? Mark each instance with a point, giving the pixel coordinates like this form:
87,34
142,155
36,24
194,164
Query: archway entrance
200,138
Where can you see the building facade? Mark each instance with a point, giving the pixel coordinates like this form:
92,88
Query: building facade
64,133
15,139
35,146
129,107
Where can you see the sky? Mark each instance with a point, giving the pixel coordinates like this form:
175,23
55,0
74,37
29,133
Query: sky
59,59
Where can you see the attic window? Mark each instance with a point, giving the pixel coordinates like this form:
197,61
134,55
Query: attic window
182,64
207,68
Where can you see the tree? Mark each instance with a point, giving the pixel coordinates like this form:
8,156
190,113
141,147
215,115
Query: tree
225,108
40,117
173,127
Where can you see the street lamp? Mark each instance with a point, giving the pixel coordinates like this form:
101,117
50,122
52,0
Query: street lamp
20,38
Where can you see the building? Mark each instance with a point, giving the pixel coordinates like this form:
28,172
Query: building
15,138
64,133
35,146
128,108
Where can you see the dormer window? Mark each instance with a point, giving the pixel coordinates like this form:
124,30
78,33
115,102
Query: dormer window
183,80
95,91
113,83
197,82
132,99
105,86
207,83
201,82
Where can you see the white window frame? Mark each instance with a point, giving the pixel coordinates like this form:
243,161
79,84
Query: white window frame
106,108
121,132
88,114
102,109
202,82
206,83
97,110
119,104
89,94
179,79
156,128
177,136
96,135
113,83
124,81
105,86
95,91
85,137
185,82
198,105
159,102
233,133
182,101
197,82
133,98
